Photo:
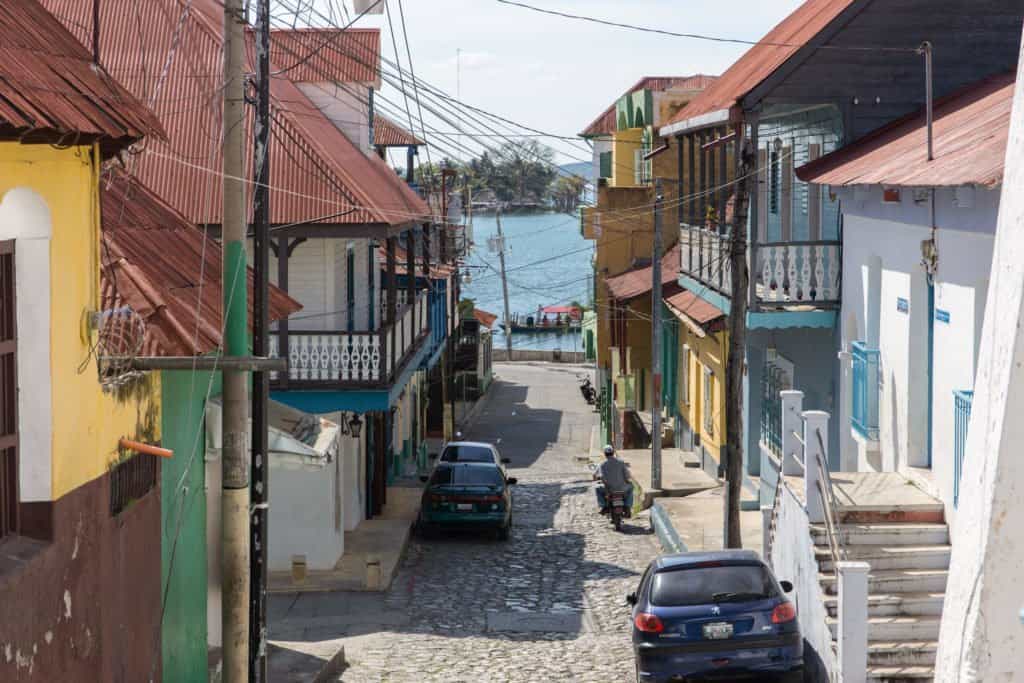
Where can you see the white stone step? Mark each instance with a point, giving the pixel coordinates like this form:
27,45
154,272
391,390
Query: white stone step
886,534
895,604
912,653
932,512
900,674
890,556
897,628
896,581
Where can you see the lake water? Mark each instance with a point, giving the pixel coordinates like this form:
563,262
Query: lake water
548,262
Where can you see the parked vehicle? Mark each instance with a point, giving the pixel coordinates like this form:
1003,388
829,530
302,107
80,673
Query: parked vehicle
714,614
588,391
472,451
467,495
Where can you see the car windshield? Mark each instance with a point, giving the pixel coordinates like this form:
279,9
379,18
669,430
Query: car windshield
467,476
464,453
703,585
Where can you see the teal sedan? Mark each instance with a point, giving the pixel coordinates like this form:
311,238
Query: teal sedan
467,495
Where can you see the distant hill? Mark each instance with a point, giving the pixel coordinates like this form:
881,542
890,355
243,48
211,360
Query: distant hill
578,168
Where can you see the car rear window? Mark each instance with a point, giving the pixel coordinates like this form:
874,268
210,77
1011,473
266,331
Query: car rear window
470,476
705,585
467,454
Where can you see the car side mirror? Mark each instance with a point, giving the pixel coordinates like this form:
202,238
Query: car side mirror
511,481
631,599
506,461
787,587
424,479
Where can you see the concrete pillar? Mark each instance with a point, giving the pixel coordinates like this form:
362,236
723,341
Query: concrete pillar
815,421
792,406
853,621
766,532
981,636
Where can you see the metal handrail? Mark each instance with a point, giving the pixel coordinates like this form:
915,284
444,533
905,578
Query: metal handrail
775,509
830,504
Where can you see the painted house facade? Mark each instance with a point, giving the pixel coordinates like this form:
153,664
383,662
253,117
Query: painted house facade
79,577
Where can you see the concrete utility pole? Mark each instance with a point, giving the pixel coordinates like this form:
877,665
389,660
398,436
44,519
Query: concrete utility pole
737,341
504,284
235,452
261,347
656,340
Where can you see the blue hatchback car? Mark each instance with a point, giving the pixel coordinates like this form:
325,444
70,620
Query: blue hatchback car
714,616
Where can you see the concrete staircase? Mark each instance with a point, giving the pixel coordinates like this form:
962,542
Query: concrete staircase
909,551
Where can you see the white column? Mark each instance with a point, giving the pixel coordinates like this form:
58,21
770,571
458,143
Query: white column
853,621
792,407
981,636
815,421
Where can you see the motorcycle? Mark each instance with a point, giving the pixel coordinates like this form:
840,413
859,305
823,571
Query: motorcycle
617,509
588,391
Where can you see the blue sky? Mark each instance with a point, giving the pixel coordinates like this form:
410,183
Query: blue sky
557,74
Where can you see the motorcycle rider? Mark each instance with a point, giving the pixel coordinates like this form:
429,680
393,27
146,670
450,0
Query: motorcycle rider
615,477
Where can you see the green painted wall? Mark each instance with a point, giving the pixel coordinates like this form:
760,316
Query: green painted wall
184,515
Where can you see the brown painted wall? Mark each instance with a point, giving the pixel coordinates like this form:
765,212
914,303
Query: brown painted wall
84,607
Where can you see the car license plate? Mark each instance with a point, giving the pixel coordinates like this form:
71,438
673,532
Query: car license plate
719,630
464,507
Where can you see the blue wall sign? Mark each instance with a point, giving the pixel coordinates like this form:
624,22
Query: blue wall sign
941,315
902,305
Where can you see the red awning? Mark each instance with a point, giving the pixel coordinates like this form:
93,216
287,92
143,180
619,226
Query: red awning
638,281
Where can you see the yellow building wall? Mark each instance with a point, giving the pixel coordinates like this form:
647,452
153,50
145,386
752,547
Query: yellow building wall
87,422
709,352
624,146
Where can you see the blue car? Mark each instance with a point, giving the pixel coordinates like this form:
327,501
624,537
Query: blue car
714,616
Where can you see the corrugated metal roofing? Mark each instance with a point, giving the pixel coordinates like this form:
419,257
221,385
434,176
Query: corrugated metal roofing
162,266
605,124
684,302
970,132
638,281
49,85
316,55
761,60
171,57
387,133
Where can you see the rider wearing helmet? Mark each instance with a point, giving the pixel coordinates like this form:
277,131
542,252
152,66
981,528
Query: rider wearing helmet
615,477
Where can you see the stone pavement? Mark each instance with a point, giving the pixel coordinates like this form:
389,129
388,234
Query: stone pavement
548,605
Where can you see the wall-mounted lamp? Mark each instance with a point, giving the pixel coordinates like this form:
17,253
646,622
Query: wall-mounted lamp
355,426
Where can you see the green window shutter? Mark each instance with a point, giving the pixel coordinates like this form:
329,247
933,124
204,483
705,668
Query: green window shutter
606,164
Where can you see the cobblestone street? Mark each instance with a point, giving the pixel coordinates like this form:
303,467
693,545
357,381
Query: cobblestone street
548,605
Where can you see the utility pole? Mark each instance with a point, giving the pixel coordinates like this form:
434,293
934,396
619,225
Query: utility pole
656,340
235,452
504,284
737,341
261,347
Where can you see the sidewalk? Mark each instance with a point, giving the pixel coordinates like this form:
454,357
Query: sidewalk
696,522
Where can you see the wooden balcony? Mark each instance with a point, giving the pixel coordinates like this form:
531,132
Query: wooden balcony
336,360
783,275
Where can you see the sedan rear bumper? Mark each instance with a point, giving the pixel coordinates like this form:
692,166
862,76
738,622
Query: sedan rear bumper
494,519
729,660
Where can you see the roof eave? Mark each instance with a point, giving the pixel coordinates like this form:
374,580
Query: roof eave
713,118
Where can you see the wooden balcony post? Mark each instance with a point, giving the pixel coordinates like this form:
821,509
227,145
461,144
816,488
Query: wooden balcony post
755,213
692,201
680,189
410,270
722,193
283,253
392,294
426,269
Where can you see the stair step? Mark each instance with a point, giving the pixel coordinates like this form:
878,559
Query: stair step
914,653
886,534
895,604
897,628
931,513
900,674
896,581
890,557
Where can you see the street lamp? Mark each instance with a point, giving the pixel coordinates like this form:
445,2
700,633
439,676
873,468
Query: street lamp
355,426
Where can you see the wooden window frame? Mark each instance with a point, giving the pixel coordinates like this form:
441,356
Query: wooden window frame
684,371
708,399
10,499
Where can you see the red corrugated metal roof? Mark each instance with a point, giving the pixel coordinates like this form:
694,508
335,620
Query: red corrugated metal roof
49,85
970,132
761,60
154,260
605,124
172,58
387,133
317,55
684,302
638,281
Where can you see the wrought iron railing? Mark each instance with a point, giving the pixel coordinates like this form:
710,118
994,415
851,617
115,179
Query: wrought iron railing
829,503
771,408
962,401
864,418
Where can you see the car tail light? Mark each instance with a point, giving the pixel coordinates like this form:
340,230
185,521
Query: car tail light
648,623
783,613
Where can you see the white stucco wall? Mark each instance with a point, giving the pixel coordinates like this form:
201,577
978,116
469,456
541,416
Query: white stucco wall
982,637
25,218
346,106
882,264
305,515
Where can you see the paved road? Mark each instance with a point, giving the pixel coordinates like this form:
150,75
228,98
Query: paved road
548,605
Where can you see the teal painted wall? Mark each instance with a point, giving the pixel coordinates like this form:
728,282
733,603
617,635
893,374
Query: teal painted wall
184,515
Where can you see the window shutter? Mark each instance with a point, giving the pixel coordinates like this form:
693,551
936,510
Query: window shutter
8,393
